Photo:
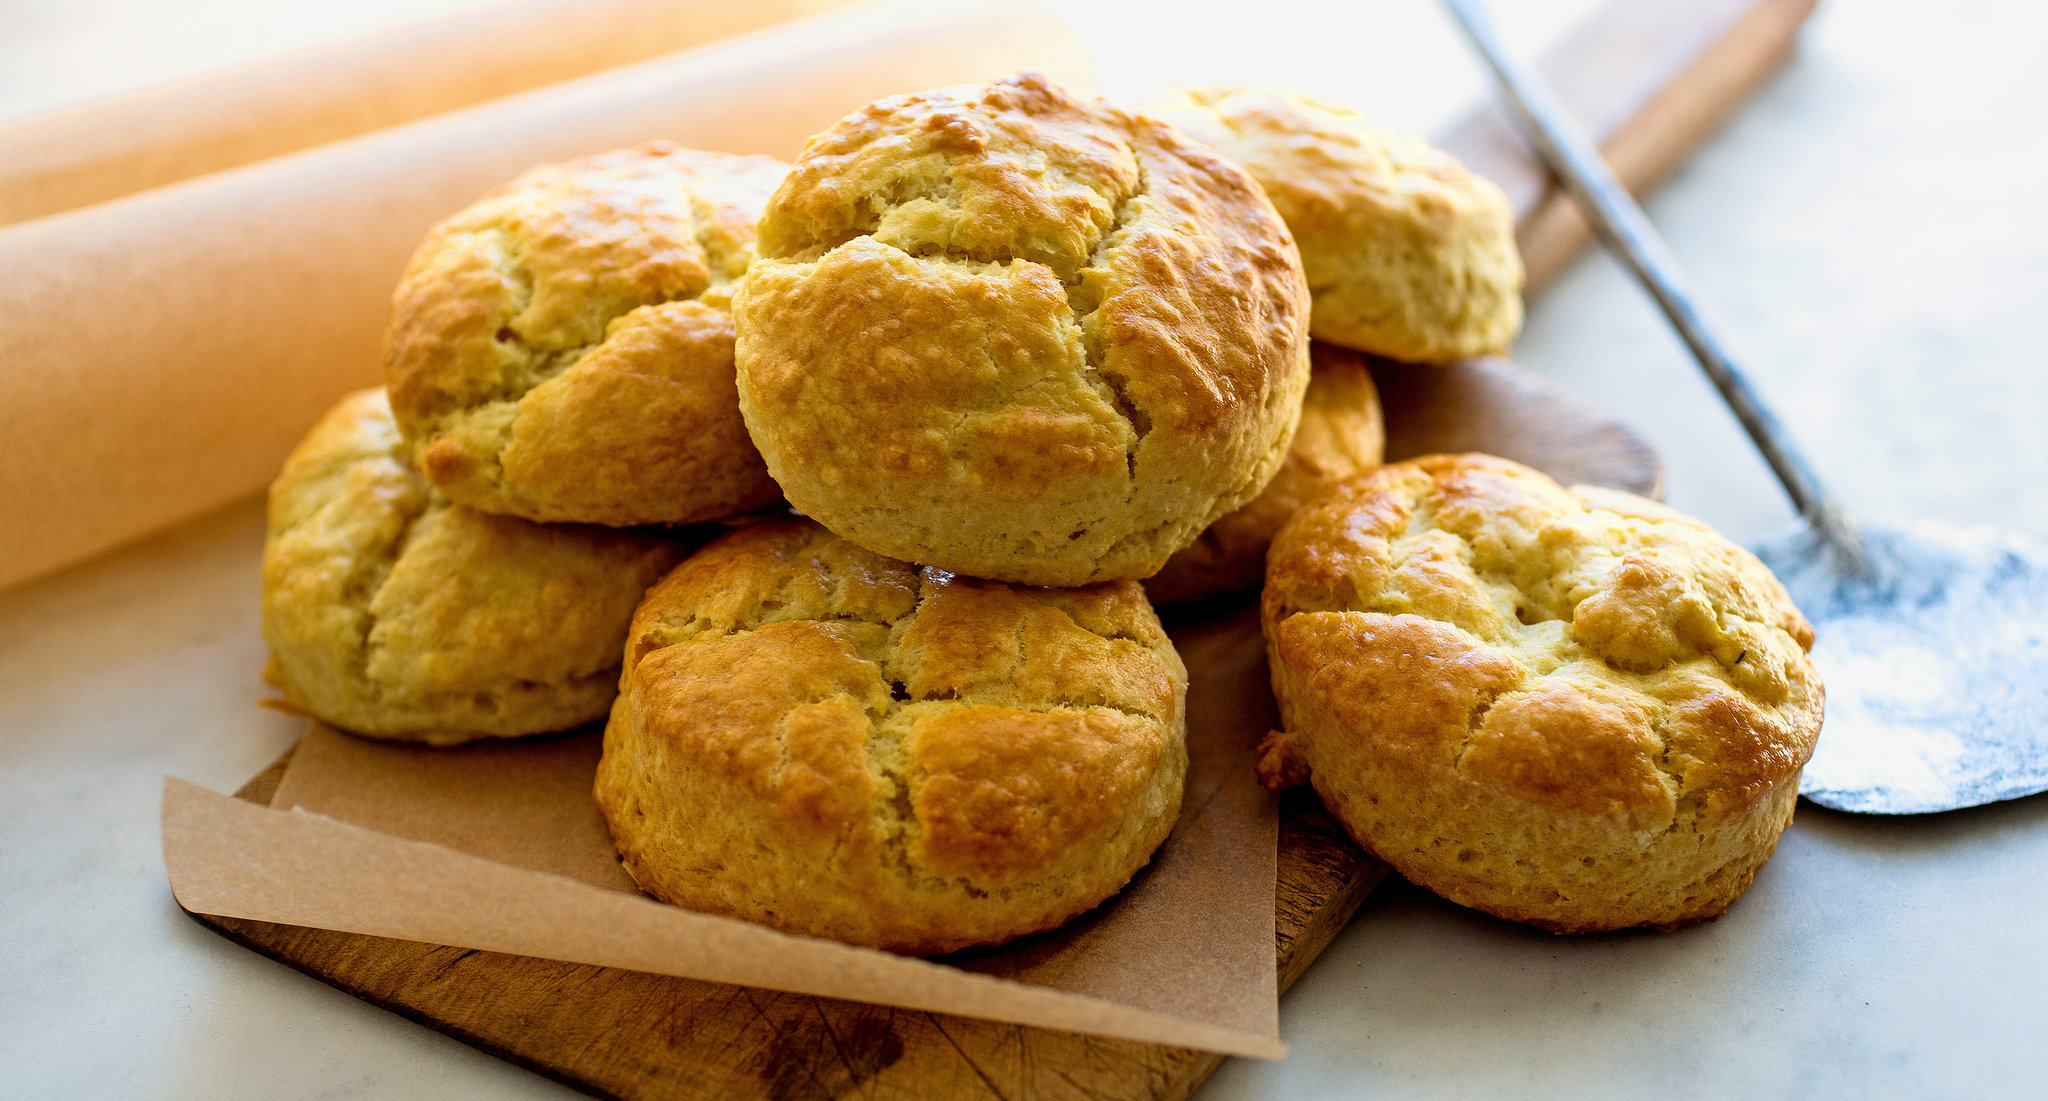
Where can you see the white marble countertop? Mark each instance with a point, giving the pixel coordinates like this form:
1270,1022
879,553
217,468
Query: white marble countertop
1872,227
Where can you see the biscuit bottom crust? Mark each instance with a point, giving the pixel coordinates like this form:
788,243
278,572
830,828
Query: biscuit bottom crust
840,745
1575,709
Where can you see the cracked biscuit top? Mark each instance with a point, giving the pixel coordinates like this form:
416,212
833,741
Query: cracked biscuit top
391,612
1572,707
1408,254
562,350
1016,334
844,745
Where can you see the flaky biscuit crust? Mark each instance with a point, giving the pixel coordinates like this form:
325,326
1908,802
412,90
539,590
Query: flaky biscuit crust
842,745
562,350
1409,255
1015,334
1577,709
1342,434
393,613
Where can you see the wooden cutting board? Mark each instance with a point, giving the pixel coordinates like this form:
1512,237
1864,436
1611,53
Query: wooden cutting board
1650,76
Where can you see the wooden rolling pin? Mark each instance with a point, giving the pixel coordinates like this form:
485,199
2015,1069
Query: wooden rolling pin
161,353
326,93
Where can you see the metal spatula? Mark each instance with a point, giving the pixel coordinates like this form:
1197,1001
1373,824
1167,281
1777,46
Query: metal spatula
1932,639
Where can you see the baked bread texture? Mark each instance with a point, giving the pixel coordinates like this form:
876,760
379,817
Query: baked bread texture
1015,334
843,745
1572,708
1341,434
563,349
393,613
1409,255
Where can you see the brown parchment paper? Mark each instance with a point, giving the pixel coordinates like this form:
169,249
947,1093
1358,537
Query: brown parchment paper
309,97
161,353
500,847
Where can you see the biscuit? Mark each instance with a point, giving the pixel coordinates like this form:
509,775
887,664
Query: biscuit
393,613
842,745
1408,254
1341,434
1019,335
563,349
1572,708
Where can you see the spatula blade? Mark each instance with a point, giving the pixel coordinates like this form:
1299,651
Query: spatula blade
1936,668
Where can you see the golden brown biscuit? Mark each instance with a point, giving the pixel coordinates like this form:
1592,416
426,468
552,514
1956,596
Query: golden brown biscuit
842,745
1577,709
393,613
563,349
1015,334
1408,254
1341,435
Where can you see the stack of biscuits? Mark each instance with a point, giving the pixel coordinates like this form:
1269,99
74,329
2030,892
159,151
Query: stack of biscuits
844,492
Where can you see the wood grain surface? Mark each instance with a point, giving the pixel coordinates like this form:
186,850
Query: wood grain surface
1670,69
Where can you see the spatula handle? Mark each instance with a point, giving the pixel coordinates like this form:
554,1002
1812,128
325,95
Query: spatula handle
1627,232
